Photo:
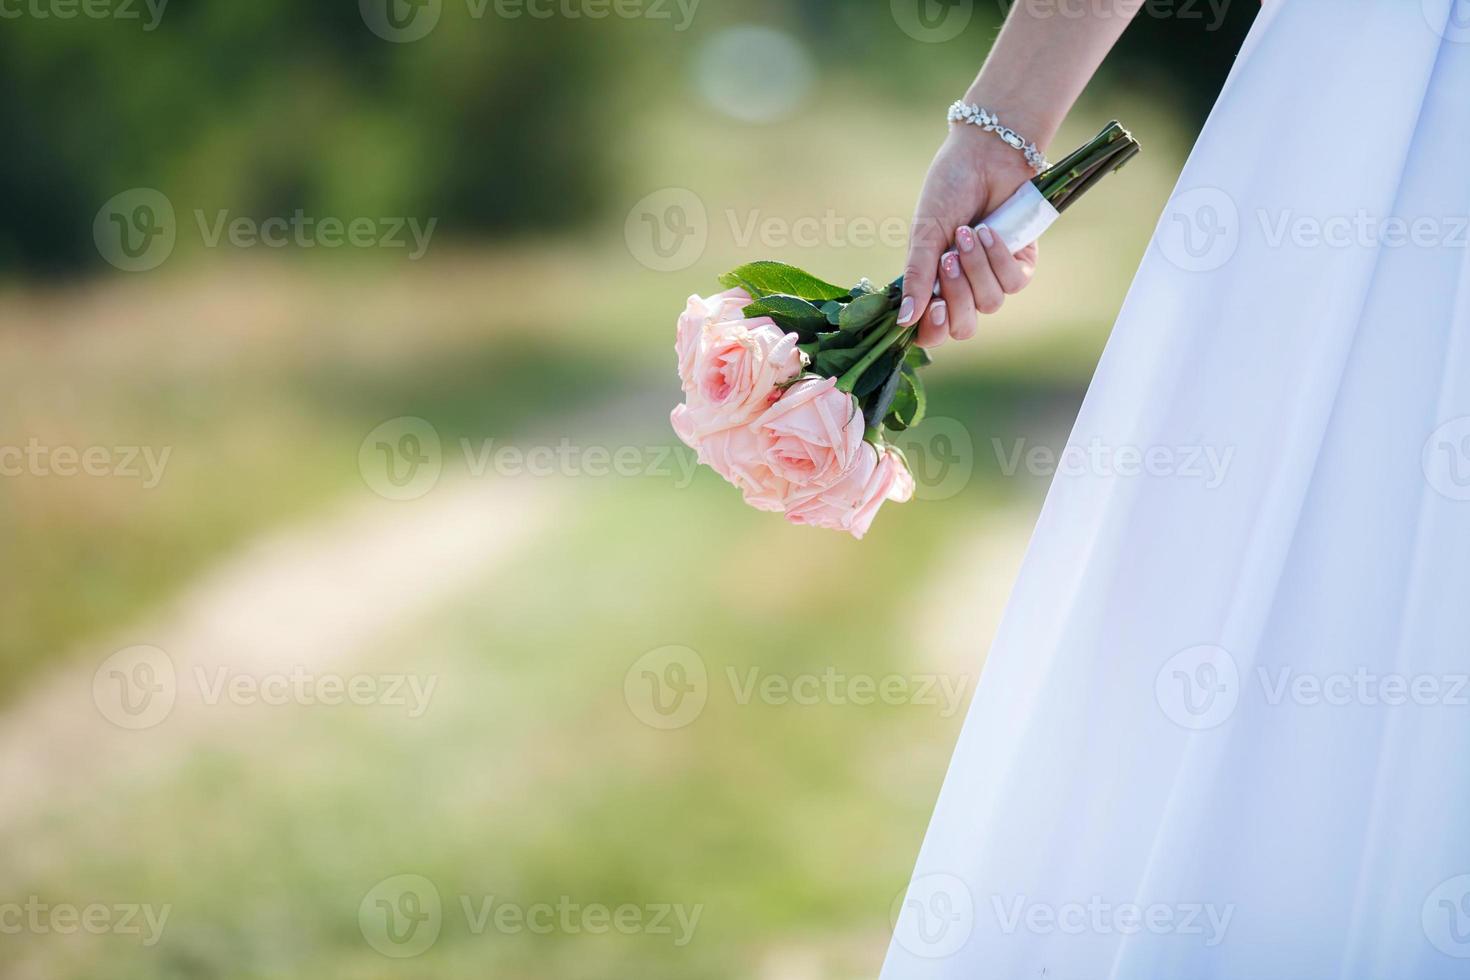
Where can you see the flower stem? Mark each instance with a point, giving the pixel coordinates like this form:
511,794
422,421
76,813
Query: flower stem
1076,173
885,341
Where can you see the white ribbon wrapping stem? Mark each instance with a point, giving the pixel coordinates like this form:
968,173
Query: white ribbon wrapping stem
1021,220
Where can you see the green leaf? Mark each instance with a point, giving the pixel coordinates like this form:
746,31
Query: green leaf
863,312
909,402
877,373
915,381
918,357
833,310
791,314
879,406
772,278
902,409
837,340
835,363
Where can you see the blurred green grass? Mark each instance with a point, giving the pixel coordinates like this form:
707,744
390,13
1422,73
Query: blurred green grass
530,778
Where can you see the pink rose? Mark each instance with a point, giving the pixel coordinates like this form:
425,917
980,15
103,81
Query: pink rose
700,311
735,454
739,368
851,504
812,436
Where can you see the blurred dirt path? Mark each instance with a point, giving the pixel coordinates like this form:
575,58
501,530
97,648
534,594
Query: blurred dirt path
968,592
301,599
964,599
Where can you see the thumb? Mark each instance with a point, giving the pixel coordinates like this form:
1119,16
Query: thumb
927,241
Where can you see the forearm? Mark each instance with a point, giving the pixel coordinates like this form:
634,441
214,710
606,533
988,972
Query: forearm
1045,55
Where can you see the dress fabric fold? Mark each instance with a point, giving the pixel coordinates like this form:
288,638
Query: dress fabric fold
1224,727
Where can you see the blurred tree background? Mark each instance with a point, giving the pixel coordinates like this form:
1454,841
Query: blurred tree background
497,126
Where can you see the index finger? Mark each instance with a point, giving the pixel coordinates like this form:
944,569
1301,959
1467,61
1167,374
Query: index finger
927,240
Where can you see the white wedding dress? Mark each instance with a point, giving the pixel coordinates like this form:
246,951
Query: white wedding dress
1224,729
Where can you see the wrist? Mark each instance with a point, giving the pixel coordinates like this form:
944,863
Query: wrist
1003,166
1014,109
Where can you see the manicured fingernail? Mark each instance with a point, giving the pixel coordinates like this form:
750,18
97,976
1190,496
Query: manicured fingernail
951,263
938,312
966,238
985,236
905,311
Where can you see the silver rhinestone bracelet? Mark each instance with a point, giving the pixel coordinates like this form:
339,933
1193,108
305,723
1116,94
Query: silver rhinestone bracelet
964,112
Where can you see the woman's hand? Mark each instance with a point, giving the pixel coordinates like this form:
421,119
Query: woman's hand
1035,71
973,174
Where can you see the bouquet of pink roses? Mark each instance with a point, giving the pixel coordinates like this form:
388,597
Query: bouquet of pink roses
790,382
